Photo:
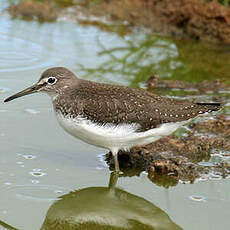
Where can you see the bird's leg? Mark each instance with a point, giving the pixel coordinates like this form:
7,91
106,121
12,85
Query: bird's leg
112,183
113,180
116,162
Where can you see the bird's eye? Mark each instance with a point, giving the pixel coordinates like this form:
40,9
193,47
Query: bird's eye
51,80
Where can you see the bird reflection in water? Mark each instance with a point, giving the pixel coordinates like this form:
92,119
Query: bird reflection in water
97,208
102,208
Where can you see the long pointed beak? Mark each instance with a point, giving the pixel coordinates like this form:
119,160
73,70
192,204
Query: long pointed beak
29,90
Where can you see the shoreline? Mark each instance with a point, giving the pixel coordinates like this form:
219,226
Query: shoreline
208,21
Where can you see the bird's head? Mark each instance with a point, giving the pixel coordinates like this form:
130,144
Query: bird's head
53,81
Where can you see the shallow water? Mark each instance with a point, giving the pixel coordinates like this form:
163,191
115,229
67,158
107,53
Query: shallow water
40,165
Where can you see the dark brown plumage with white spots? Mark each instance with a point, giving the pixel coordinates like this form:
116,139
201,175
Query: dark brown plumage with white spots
104,103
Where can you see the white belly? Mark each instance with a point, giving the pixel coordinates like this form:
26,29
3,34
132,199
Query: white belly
114,137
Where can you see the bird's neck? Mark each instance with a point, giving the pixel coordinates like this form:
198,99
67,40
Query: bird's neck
53,95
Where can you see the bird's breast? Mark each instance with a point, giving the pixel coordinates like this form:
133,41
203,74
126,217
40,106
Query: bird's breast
101,135
113,136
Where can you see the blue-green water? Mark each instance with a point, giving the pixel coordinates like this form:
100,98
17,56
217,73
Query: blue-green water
40,164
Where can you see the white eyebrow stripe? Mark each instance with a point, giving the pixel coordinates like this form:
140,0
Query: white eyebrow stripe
42,81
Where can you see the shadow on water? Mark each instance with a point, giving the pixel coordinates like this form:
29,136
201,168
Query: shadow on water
143,55
104,208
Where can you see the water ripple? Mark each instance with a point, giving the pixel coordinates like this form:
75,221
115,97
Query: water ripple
4,89
31,111
37,192
197,198
37,173
18,54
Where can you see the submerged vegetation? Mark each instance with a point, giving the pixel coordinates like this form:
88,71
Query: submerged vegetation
141,56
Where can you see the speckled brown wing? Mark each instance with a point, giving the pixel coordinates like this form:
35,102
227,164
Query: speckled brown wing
103,103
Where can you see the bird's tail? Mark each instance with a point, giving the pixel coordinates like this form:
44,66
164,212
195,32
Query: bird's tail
211,106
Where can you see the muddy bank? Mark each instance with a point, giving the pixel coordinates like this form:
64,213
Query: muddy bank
208,21
182,158
204,87
28,10
190,18
198,151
